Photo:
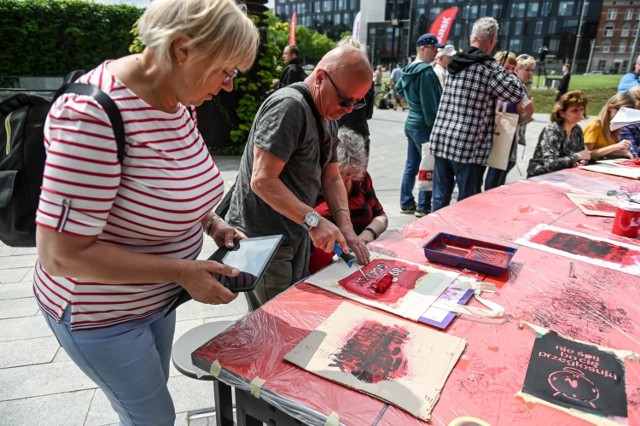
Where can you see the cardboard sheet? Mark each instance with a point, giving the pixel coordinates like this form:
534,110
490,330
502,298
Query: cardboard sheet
413,287
611,169
593,205
606,253
381,356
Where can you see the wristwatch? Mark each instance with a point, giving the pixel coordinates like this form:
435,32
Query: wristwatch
311,220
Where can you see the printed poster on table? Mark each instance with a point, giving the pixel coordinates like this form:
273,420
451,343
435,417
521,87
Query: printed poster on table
594,205
395,360
606,253
581,379
404,288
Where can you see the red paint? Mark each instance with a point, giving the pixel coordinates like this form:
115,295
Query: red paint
599,206
478,253
493,348
626,222
629,163
373,352
576,244
400,278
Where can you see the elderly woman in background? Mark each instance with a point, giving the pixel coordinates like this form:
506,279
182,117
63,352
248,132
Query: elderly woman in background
561,143
598,137
525,66
367,215
118,242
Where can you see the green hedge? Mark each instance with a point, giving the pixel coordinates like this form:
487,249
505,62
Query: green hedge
53,37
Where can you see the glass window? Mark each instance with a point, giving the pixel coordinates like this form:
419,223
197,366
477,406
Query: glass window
565,8
346,18
336,19
517,10
625,31
622,47
628,16
552,26
606,46
537,44
434,12
515,45
483,10
601,65
611,15
546,9
517,28
608,31
504,28
497,10
326,6
341,4
539,24
533,9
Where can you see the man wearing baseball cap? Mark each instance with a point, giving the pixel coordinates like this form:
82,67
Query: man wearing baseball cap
419,85
443,58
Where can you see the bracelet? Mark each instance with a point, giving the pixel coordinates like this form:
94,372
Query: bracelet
211,221
340,209
375,236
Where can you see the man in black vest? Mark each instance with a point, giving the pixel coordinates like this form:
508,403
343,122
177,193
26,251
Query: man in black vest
293,72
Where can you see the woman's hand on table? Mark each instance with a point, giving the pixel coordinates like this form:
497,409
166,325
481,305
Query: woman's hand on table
358,247
197,277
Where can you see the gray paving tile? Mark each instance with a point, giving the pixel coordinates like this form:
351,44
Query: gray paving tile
42,379
24,328
15,308
20,353
15,290
15,275
100,412
18,261
62,409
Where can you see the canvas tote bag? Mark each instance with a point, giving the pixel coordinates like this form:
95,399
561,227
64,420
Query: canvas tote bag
503,134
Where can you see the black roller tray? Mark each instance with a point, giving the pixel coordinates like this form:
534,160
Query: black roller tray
461,252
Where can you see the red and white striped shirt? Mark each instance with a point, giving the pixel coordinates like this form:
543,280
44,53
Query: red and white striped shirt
153,203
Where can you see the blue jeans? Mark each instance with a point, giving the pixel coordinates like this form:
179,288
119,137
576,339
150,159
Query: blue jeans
129,362
411,167
497,177
447,174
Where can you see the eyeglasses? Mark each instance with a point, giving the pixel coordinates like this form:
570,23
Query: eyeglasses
345,103
229,76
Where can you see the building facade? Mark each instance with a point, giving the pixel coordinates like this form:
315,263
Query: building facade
615,46
591,35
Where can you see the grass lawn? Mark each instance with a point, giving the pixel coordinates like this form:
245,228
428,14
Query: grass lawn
597,88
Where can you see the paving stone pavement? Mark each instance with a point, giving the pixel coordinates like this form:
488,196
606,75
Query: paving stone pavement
39,385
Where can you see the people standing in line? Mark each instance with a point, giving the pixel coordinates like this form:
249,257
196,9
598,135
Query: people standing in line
419,85
289,160
118,241
462,135
367,214
630,79
443,58
561,143
564,82
599,139
396,74
293,71
525,67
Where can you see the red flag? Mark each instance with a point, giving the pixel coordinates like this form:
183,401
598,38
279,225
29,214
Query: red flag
443,23
292,29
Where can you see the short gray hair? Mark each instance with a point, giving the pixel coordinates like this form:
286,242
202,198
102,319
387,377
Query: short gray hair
484,28
220,31
351,152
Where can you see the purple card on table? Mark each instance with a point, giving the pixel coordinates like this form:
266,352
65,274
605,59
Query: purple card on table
441,318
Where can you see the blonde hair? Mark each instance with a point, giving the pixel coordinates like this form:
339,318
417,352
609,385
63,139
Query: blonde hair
525,61
617,101
505,57
349,41
566,101
220,32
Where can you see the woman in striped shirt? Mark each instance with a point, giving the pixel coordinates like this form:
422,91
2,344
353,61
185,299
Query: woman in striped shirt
118,242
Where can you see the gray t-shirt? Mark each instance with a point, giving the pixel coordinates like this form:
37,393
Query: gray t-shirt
284,126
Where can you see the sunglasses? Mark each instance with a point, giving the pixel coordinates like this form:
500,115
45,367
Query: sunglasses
230,76
345,103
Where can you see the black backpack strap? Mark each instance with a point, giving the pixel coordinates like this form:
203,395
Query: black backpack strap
106,102
312,105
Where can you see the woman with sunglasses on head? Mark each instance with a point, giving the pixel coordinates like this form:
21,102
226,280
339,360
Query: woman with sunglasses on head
116,241
561,143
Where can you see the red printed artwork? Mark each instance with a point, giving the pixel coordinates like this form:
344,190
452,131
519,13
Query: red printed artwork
388,280
373,352
607,253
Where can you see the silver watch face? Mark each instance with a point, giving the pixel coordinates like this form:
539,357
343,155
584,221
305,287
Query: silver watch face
312,219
